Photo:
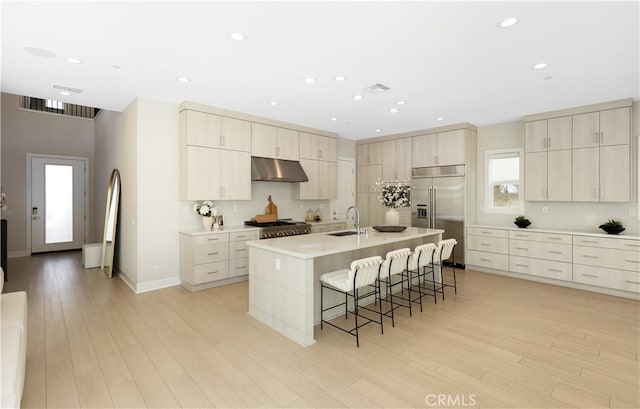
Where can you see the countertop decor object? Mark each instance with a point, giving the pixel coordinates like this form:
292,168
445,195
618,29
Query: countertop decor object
207,211
612,227
393,194
522,222
390,229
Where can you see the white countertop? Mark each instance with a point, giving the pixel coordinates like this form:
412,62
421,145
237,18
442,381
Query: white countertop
572,232
322,244
223,229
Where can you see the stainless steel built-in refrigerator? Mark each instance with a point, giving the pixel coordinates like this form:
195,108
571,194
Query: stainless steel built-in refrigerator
437,202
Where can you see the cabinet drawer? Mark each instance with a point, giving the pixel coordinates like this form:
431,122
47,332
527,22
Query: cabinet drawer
604,277
244,235
488,260
603,257
238,249
536,249
541,268
210,253
212,239
205,273
239,267
620,244
537,236
481,231
490,244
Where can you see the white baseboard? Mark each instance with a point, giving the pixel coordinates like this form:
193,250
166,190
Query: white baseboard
19,253
139,288
127,280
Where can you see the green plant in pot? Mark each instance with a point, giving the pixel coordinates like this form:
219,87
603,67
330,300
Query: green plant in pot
522,222
612,226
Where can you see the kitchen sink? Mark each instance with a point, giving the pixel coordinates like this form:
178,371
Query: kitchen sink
343,233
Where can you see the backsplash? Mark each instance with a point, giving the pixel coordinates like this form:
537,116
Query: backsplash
236,212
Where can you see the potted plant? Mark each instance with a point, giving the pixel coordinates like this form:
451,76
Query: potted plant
612,226
393,195
522,222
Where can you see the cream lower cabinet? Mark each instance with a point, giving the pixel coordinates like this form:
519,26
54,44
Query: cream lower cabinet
541,254
216,258
488,248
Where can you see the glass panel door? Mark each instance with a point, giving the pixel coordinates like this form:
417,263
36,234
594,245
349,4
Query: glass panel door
58,203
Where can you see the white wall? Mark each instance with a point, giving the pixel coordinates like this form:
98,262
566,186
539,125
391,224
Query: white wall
575,216
25,131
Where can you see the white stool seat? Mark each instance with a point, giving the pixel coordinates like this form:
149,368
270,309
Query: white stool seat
338,279
12,367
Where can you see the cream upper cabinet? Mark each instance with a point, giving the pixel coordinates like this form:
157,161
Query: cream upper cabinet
366,178
548,176
441,149
215,131
369,154
603,128
559,133
535,136
216,174
389,161
235,173
273,142
586,171
318,147
535,176
601,174
323,180
396,159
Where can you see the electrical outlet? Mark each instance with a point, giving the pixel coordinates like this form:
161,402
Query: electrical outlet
545,210
277,264
156,269
632,212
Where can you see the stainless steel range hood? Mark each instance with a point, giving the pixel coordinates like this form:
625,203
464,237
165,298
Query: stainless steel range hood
277,170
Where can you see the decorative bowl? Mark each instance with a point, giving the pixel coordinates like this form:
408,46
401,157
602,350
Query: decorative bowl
390,229
612,229
522,223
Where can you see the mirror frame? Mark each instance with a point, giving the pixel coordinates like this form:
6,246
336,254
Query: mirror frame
113,199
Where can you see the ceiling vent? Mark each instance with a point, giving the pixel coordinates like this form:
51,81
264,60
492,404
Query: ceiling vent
68,89
376,88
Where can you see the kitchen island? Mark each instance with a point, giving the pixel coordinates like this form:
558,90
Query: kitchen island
284,285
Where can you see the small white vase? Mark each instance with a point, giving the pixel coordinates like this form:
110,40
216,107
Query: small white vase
392,217
207,223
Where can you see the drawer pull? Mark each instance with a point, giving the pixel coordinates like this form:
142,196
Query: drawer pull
555,252
632,261
212,254
486,232
587,256
485,259
632,245
521,265
554,238
554,270
522,235
590,275
521,248
212,272
632,282
590,241
240,237
241,249
485,244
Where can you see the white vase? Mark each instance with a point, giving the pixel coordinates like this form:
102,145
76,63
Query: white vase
207,223
392,217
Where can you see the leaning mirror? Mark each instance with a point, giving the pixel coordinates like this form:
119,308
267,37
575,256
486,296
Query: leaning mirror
110,224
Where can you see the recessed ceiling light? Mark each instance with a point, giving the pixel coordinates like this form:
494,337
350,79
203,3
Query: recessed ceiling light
273,103
334,119
339,78
508,22
400,102
73,60
550,77
357,97
183,79
378,130
393,110
540,66
65,93
309,80
439,118
237,36
115,67
39,52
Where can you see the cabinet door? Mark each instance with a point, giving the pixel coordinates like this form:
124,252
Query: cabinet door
375,152
451,148
263,140
424,150
585,174
235,175
236,134
362,155
309,190
203,179
559,131
586,130
403,159
615,127
328,180
535,136
308,146
559,175
376,211
614,173
288,144
203,129
362,201
366,178
535,176
329,149
389,161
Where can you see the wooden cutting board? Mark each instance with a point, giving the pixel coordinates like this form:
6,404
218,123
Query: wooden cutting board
271,213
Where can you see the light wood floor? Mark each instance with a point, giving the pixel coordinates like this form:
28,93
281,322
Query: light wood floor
500,343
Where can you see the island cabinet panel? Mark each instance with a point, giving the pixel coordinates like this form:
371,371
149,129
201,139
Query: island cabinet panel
214,258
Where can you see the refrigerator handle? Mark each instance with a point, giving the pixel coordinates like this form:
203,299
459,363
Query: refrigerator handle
433,208
429,209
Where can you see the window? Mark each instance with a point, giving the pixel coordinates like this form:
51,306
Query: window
54,104
503,170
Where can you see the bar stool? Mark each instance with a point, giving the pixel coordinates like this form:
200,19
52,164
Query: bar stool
361,273
421,262
395,264
445,251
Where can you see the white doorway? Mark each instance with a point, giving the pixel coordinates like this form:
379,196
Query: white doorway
56,205
346,188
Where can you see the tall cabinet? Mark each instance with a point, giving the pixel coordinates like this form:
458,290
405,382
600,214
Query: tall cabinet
319,159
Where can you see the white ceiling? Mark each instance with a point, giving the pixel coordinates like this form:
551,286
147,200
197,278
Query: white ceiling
445,59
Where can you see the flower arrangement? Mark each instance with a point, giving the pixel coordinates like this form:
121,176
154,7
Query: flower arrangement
393,194
205,208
